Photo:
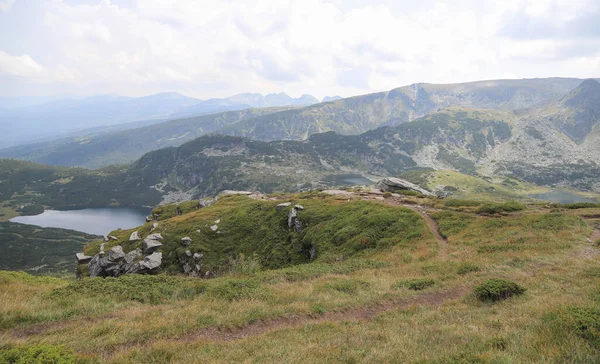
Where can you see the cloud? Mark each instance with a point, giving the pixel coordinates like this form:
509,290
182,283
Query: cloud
19,66
5,5
323,47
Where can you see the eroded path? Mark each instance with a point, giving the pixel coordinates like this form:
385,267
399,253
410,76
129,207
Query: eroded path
429,299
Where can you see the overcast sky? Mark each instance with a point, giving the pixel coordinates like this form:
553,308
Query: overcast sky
219,48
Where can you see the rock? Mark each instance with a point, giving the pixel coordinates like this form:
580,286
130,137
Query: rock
214,227
392,184
154,226
299,207
256,196
292,216
155,236
283,206
230,192
113,237
115,254
149,246
82,258
298,226
152,261
133,256
134,236
192,264
217,221
205,202
337,192
185,241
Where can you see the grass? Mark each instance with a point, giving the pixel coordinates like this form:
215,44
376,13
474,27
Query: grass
324,303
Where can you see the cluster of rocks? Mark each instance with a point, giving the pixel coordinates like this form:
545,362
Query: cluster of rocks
192,262
116,262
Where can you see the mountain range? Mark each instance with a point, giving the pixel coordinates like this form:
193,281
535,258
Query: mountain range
551,144
45,118
352,115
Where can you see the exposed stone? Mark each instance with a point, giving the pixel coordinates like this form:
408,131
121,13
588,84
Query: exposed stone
112,237
230,192
152,261
155,236
298,226
217,221
283,206
299,207
133,255
337,192
192,263
154,226
205,202
214,227
149,246
82,258
392,184
134,236
115,253
292,216
185,241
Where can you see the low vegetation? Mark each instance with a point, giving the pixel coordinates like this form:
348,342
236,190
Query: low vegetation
496,289
378,274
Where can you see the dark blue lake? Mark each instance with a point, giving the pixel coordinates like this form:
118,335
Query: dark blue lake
99,221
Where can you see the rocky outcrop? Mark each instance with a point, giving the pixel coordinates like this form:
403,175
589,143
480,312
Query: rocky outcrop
134,236
391,184
192,263
116,263
185,241
82,258
149,246
293,222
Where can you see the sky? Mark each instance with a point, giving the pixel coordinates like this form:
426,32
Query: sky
220,48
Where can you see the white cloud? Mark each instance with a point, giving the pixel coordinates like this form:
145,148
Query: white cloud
19,66
218,48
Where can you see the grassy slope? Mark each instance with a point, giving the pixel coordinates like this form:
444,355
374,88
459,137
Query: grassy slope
160,319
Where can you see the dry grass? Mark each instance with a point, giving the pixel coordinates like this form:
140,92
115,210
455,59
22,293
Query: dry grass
516,330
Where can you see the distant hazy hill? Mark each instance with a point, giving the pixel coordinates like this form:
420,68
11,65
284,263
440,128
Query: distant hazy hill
27,119
352,115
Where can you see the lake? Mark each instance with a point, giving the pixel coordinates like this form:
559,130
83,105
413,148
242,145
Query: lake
560,196
99,221
346,180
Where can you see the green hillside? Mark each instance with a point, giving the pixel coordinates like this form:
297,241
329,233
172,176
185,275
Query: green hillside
386,280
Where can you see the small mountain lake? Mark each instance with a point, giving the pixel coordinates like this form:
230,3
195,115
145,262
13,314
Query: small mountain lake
561,196
99,221
346,180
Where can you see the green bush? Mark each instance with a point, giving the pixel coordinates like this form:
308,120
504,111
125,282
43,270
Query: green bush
582,321
580,205
410,193
461,203
30,210
416,284
496,289
466,267
495,208
41,353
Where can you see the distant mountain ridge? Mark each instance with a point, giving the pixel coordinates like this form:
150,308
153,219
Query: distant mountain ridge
354,115
31,119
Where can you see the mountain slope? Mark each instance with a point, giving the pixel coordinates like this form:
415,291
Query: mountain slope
99,149
353,115
359,114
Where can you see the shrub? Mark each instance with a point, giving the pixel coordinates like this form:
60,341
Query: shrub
410,193
466,267
417,284
31,210
41,353
582,321
495,208
461,203
496,289
580,205
243,264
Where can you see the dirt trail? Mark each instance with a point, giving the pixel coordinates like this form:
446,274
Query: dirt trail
356,314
